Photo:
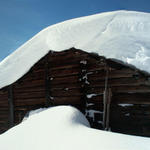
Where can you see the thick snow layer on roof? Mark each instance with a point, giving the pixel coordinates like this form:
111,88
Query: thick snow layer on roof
123,35
65,128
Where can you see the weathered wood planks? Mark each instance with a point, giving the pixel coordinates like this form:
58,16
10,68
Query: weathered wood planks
77,78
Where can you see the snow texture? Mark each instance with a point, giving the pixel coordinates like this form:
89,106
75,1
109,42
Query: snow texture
65,128
126,105
123,35
91,95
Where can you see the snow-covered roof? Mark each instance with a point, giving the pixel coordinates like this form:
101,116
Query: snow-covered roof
66,128
123,35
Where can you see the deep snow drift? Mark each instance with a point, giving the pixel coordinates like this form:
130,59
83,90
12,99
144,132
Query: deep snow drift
124,35
65,128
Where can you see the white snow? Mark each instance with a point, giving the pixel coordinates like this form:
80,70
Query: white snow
123,35
91,95
126,105
91,113
65,128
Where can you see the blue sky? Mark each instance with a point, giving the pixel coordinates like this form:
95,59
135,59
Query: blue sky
22,19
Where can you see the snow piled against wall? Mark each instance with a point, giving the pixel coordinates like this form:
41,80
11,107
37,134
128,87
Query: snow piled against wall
65,128
124,35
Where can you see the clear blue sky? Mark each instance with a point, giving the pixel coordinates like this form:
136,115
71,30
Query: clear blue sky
22,19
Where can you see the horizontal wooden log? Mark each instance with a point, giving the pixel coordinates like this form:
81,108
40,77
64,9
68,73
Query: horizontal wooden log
95,90
29,102
65,85
29,98
95,67
119,82
3,96
3,99
91,65
3,111
66,92
64,61
34,83
67,79
132,98
29,95
78,88
29,107
63,72
130,111
4,114
112,74
131,89
67,100
4,118
120,89
4,104
74,61
130,120
29,89
64,67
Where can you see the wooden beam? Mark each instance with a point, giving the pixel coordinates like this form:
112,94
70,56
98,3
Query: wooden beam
104,109
47,83
106,102
131,98
11,106
108,109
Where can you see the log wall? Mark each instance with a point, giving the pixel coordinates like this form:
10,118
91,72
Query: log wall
77,78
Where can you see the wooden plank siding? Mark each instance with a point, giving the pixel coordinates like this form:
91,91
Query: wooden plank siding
77,78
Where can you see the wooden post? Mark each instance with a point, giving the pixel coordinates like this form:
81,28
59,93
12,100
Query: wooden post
108,109
48,101
106,102
11,106
104,108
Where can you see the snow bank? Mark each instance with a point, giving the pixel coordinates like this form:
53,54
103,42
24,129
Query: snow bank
123,35
65,128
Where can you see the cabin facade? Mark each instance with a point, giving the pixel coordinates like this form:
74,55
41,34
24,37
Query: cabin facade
113,96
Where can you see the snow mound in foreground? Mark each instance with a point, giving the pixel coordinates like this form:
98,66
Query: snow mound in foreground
123,35
65,128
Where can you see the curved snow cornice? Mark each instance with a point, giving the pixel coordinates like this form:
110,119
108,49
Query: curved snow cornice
123,35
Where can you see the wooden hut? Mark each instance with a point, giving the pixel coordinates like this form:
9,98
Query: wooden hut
111,94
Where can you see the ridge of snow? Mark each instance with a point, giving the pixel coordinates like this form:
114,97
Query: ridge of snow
66,128
123,35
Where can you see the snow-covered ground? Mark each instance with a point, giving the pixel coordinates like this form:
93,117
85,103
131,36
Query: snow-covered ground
65,128
124,35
